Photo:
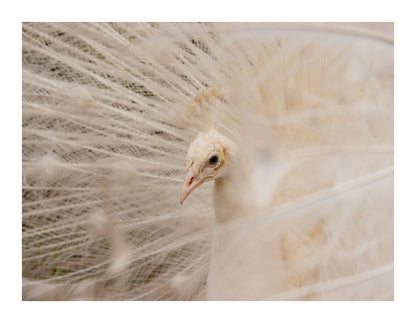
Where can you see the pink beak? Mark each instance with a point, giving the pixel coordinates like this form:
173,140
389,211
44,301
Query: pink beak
191,183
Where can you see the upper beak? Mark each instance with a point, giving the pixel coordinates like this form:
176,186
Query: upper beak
191,183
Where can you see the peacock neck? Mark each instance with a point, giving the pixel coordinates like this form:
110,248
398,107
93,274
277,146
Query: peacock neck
231,194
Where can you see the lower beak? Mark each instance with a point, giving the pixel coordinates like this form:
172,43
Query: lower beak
191,183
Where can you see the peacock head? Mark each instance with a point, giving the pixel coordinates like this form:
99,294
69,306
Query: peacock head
208,158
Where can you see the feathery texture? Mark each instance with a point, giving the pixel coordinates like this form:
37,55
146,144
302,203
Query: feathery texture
109,111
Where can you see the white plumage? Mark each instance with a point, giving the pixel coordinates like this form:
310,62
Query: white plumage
294,123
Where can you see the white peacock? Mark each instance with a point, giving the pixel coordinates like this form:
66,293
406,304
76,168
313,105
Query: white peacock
290,161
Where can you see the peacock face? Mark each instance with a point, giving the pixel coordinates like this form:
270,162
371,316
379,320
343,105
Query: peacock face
205,158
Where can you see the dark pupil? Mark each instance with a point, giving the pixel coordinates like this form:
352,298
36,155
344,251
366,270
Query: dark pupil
213,160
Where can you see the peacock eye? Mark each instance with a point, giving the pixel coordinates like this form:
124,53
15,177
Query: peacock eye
213,160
